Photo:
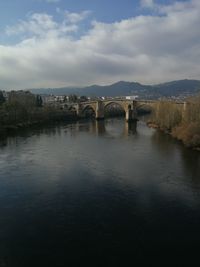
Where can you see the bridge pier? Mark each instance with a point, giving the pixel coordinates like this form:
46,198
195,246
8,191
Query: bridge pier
78,110
131,112
128,115
99,110
131,115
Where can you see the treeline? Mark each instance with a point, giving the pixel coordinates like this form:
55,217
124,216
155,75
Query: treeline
181,122
23,109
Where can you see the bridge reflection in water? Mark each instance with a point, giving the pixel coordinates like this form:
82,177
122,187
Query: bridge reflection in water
103,127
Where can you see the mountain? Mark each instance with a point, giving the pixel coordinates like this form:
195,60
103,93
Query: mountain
117,89
181,88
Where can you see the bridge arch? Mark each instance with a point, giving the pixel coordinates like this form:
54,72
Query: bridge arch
114,103
113,108
88,108
99,108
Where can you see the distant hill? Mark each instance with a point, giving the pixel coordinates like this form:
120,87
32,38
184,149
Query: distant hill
181,88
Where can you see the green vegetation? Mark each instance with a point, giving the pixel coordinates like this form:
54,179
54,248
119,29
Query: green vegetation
2,98
23,109
181,123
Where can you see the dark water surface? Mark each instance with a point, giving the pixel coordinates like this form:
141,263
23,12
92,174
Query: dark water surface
98,194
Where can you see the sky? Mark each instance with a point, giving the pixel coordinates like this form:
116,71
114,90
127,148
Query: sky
57,43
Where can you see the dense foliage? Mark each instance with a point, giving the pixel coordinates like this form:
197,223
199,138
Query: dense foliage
24,109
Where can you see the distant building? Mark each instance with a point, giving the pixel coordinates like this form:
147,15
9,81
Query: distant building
48,99
131,97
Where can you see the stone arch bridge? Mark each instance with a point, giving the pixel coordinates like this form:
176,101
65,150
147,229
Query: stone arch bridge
129,106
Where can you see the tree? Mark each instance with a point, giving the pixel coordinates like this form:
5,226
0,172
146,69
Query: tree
39,101
2,98
73,98
83,98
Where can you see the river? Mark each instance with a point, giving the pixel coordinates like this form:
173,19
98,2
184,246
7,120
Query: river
98,194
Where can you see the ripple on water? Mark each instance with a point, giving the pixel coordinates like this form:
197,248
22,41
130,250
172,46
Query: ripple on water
104,192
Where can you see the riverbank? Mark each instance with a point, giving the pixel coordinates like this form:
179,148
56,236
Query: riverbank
189,135
39,117
180,121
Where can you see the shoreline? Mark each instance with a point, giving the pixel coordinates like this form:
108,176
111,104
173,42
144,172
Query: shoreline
153,125
8,130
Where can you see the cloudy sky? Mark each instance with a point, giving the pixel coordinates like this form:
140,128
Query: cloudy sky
55,43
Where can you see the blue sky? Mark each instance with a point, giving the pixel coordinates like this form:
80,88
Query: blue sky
52,43
103,10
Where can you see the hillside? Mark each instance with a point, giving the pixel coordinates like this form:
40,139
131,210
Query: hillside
181,88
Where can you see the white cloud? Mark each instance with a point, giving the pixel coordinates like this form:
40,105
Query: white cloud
76,17
147,3
41,25
178,6
148,49
37,24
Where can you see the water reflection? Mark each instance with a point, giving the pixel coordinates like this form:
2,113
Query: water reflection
175,152
3,140
92,192
130,128
104,128
191,165
99,128
163,142
107,128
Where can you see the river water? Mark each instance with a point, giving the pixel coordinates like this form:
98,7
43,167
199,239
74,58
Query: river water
98,194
